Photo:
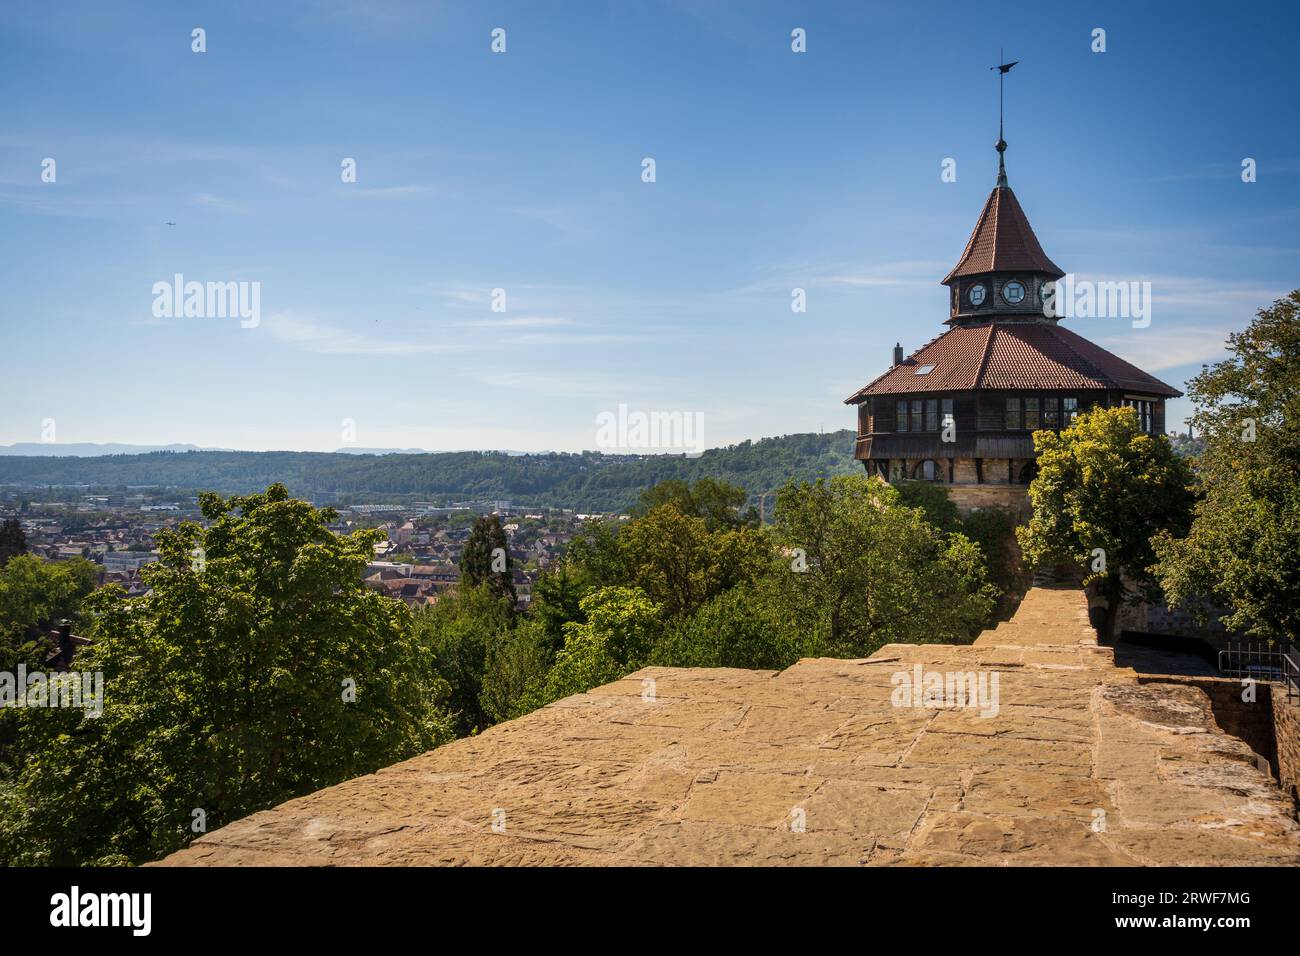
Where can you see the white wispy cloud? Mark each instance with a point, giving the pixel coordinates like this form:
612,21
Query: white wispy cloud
1162,347
1191,317
560,383
403,336
518,322
406,191
225,204
908,273
314,335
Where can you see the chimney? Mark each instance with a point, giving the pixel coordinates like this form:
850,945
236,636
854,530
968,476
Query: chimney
898,353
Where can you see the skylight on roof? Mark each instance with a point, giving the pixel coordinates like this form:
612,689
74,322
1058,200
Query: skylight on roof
924,370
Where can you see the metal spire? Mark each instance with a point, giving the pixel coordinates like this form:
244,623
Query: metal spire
1003,69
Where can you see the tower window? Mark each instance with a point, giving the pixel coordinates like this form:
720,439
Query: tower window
932,414
1146,412
1070,407
1031,414
901,423
1013,414
1051,414
917,423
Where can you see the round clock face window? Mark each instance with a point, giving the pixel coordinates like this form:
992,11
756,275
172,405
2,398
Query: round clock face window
977,295
1013,292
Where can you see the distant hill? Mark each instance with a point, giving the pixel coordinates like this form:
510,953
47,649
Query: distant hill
84,449
382,451
413,451
586,480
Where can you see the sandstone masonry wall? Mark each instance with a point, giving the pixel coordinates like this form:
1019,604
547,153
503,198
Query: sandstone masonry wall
1252,722
968,497
1286,731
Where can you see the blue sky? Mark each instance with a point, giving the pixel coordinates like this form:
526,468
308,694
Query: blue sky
522,171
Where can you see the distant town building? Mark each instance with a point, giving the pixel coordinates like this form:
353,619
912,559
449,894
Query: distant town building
124,562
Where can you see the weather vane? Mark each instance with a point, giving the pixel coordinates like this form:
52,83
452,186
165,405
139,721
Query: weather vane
1003,69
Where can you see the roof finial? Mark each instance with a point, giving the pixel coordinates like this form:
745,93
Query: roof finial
1003,69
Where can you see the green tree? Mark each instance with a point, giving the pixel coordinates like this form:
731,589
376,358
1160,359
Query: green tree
621,628
514,670
994,530
680,563
1104,488
459,631
717,502
932,498
13,540
556,600
737,628
258,668
594,555
486,559
1240,552
34,596
863,570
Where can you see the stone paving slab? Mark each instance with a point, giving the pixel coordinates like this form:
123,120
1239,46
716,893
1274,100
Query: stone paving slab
1079,763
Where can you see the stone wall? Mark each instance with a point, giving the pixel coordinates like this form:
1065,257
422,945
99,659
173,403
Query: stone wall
1270,725
1286,731
968,498
1252,723
1158,618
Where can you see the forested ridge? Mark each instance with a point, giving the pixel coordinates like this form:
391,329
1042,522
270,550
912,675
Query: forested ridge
590,480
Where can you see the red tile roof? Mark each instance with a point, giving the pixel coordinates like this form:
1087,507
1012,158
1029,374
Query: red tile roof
1003,241
1002,355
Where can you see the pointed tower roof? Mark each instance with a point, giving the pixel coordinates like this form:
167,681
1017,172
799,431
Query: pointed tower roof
1003,240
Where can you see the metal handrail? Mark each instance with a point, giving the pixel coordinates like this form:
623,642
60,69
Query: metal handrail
1261,659
1291,671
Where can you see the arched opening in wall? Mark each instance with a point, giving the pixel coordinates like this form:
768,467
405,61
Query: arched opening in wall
1029,472
929,470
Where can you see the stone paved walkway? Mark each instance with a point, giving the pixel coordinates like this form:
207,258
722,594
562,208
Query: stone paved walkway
815,764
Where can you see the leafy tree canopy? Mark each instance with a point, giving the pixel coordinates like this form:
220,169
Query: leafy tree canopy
259,668
717,503
460,631
34,596
486,560
864,570
680,563
621,628
1104,487
1241,550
